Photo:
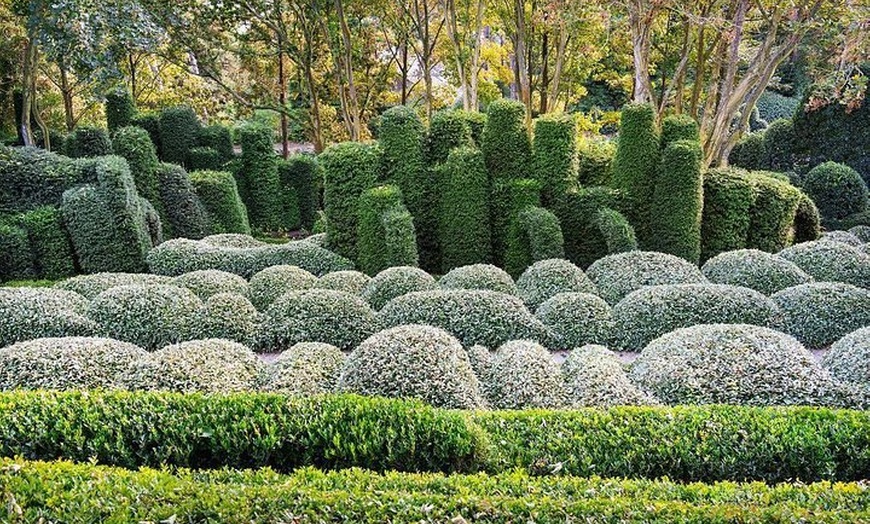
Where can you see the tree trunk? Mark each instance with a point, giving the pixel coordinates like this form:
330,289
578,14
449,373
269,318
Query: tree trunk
282,99
520,51
67,94
346,64
449,12
475,54
564,37
639,22
28,91
545,71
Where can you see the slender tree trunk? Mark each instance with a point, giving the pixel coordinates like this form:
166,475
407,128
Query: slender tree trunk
282,99
520,51
475,54
132,64
404,72
448,7
553,95
346,64
545,72
66,93
639,21
28,91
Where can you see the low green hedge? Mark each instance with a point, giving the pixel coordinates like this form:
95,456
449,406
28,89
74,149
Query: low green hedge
64,492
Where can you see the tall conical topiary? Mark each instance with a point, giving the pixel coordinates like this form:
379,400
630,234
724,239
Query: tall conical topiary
555,154
120,109
636,163
678,198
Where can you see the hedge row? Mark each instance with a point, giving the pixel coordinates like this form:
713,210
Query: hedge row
385,231
464,234
349,169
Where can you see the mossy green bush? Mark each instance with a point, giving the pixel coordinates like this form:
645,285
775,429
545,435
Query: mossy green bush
272,282
16,258
259,182
576,319
87,142
303,174
535,234
208,282
837,190
618,234
476,122
594,376
615,276
595,162
677,201
218,138
547,278
577,212
807,221
849,358
89,286
754,269
464,233
749,152
383,240
448,130
505,143
31,313
134,145
479,276
820,313
179,133
779,145
771,219
120,109
395,282
228,316
831,262
150,122
523,376
353,282
185,213
48,243
223,206
307,368
636,162
204,159
679,127
842,236
729,198
555,160
862,232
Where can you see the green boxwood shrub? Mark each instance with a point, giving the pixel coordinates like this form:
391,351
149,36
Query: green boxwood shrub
618,234
505,143
120,109
535,234
615,276
204,159
413,361
576,319
304,175
555,161
523,376
448,130
208,282
272,282
316,315
473,316
382,240
807,222
150,122
771,219
754,269
779,145
479,276
87,142
730,364
228,316
89,286
16,258
837,190
349,169
677,201
749,152
307,368
547,278
862,232
219,195
67,363
464,234
849,358
652,311
179,133
395,282
773,106
595,162
134,145
353,282
728,200
636,162
820,313
476,122
259,182
31,313
48,243
218,138
577,212
831,262
679,127
185,212
594,376
842,236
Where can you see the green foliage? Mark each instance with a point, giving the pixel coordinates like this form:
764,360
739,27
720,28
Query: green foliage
754,269
150,122
120,109
618,234
618,275
595,376
577,212
179,132
728,199
303,174
636,163
185,213
849,358
831,262
307,368
89,286
555,161
33,178
204,159
505,141
383,241
523,375
779,146
220,199
448,130
595,163
548,278
395,282
476,122
134,145
749,152
535,235
677,201
87,142
259,181
349,169
272,282
837,190
679,127
49,245
479,276
807,222
463,229
820,313
576,319
771,218
219,138
30,313
773,106
16,259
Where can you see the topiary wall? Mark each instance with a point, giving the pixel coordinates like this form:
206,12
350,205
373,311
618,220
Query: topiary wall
728,199
304,175
16,259
259,181
555,160
48,243
577,212
150,122
771,217
179,132
218,138
120,109
33,178
535,235
134,145
463,227
385,235
749,152
677,201
779,146
221,201
204,159
184,212
679,127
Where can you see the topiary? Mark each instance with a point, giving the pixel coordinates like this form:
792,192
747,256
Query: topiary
730,364
179,132
862,232
87,142
395,282
837,189
219,195
464,227
236,240
754,269
535,234
555,160
448,130
481,362
208,366
184,211
677,201
476,122
150,122
636,161
204,159
413,361
229,316
849,358
31,313
831,262
383,241
586,238
679,127
728,200
652,311
352,282
595,162
259,183
576,319
843,237
523,376
749,152
505,143
547,278
615,276
33,177
479,276
150,316
473,316
272,282
208,282
134,145
89,286
304,175
307,368
67,363
807,222
771,219
819,313
48,243
594,376
217,138
618,234
772,105
120,109
16,259
779,145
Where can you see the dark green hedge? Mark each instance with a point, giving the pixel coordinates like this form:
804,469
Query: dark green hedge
837,189
304,175
728,199
150,122
679,127
120,109
134,145
749,152
49,244
807,222
555,160
464,232
349,169
636,163
87,142
476,122
259,182
772,216
204,159
220,198
618,234
535,235
595,163
779,146
385,233
33,178
677,202
184,211
577,212
179,132
447,131
16,259
219,138
506,148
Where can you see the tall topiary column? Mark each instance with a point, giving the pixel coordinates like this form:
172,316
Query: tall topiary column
87,142
120,109
302,175
636,163
220,198
259,180
447,131
463,226
179,133
385,231
184,212
134,145
555,154
677,202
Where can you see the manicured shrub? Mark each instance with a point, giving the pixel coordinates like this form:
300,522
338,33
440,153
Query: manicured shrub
31,313
272,282
134,145
67,363
779,145
464,234
218,138
228,316
616,276
618,234
48,243
535,234
307,368
576,319
349,169
505,141
754,269
771,218
87,142
179,132
728,200
577,212
209,366
636,162
184,211
594,376
120,109
395,282
677,201
555,161
678,127
831,262
862,232
204,159
749,152
820,313
413,361
476,122
219,195
849,358
473,316
208,282
652,311
16,259
523,375
89,286
316,315
150,122
33,177
304,175
547,278
352,282
150,316
842,236
382,240
479,276
837,189
806,220
595,162
259,182
773,106
481,363
448,130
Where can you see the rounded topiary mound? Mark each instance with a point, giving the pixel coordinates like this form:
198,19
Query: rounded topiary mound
576,319
849,358
151,316
842,236
413,361
89,286
316,315
272,282
831,262
617,275
730,364
479,276
208,282
208,366
594,376
473,316
546,278
523,375
228,316
653,311
395,282
30,313
837,189
763,272
862,232
67,363
236,240
353,282
307,368
818,314
481,362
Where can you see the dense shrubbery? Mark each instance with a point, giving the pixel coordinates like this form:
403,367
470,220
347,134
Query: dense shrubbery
616,276
179,132
862,232
48,245
349,169
576,319
89,286
728,200
594,376
555,160
749,152
303,174
221,202
204,159
208,282
120,109
831,262
352,282
16,260
595,162
819,313
636,162
614,228
33,177
307,368
772,215
547,278
185,213
849,358
383,239
754,269
274,281
29,313
779,145
586,237
134,145
678,127
259,183
535,234
479,276
229,316
677,199
217,138
395,282
87,142
523,375
464,221
842,236
448,130
837,189
150,122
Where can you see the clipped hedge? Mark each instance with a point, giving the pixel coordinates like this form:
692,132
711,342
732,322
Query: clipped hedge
464,234
179,132
679,127
383,239
448,130
87,142
677,200
594,376
728,200
807,221
89,286
831,262
547,278
150,121
754,269
535,234
849,358
120,109
48,243
395,282
615,276
352,282
33,177
749,152
304,175
208,282
219,195
771,218
204,159
576,319
837,189
818,314
185,213
595,162
523,375
586,238
618,234
779,145
307,368
16,259
217,138
555,160
31,313
134,145
228,316
636,162
479,276
505,143
259,182
272,282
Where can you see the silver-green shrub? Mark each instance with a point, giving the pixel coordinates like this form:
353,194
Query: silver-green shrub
763,272
208,282
617,275
862,232
845,237
307,368
237,240
272,282
594,376
479,276
395,282
576,319
89,286
228,316
523,375
819,314
30,313
849,358
546,278
353,282
829,261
